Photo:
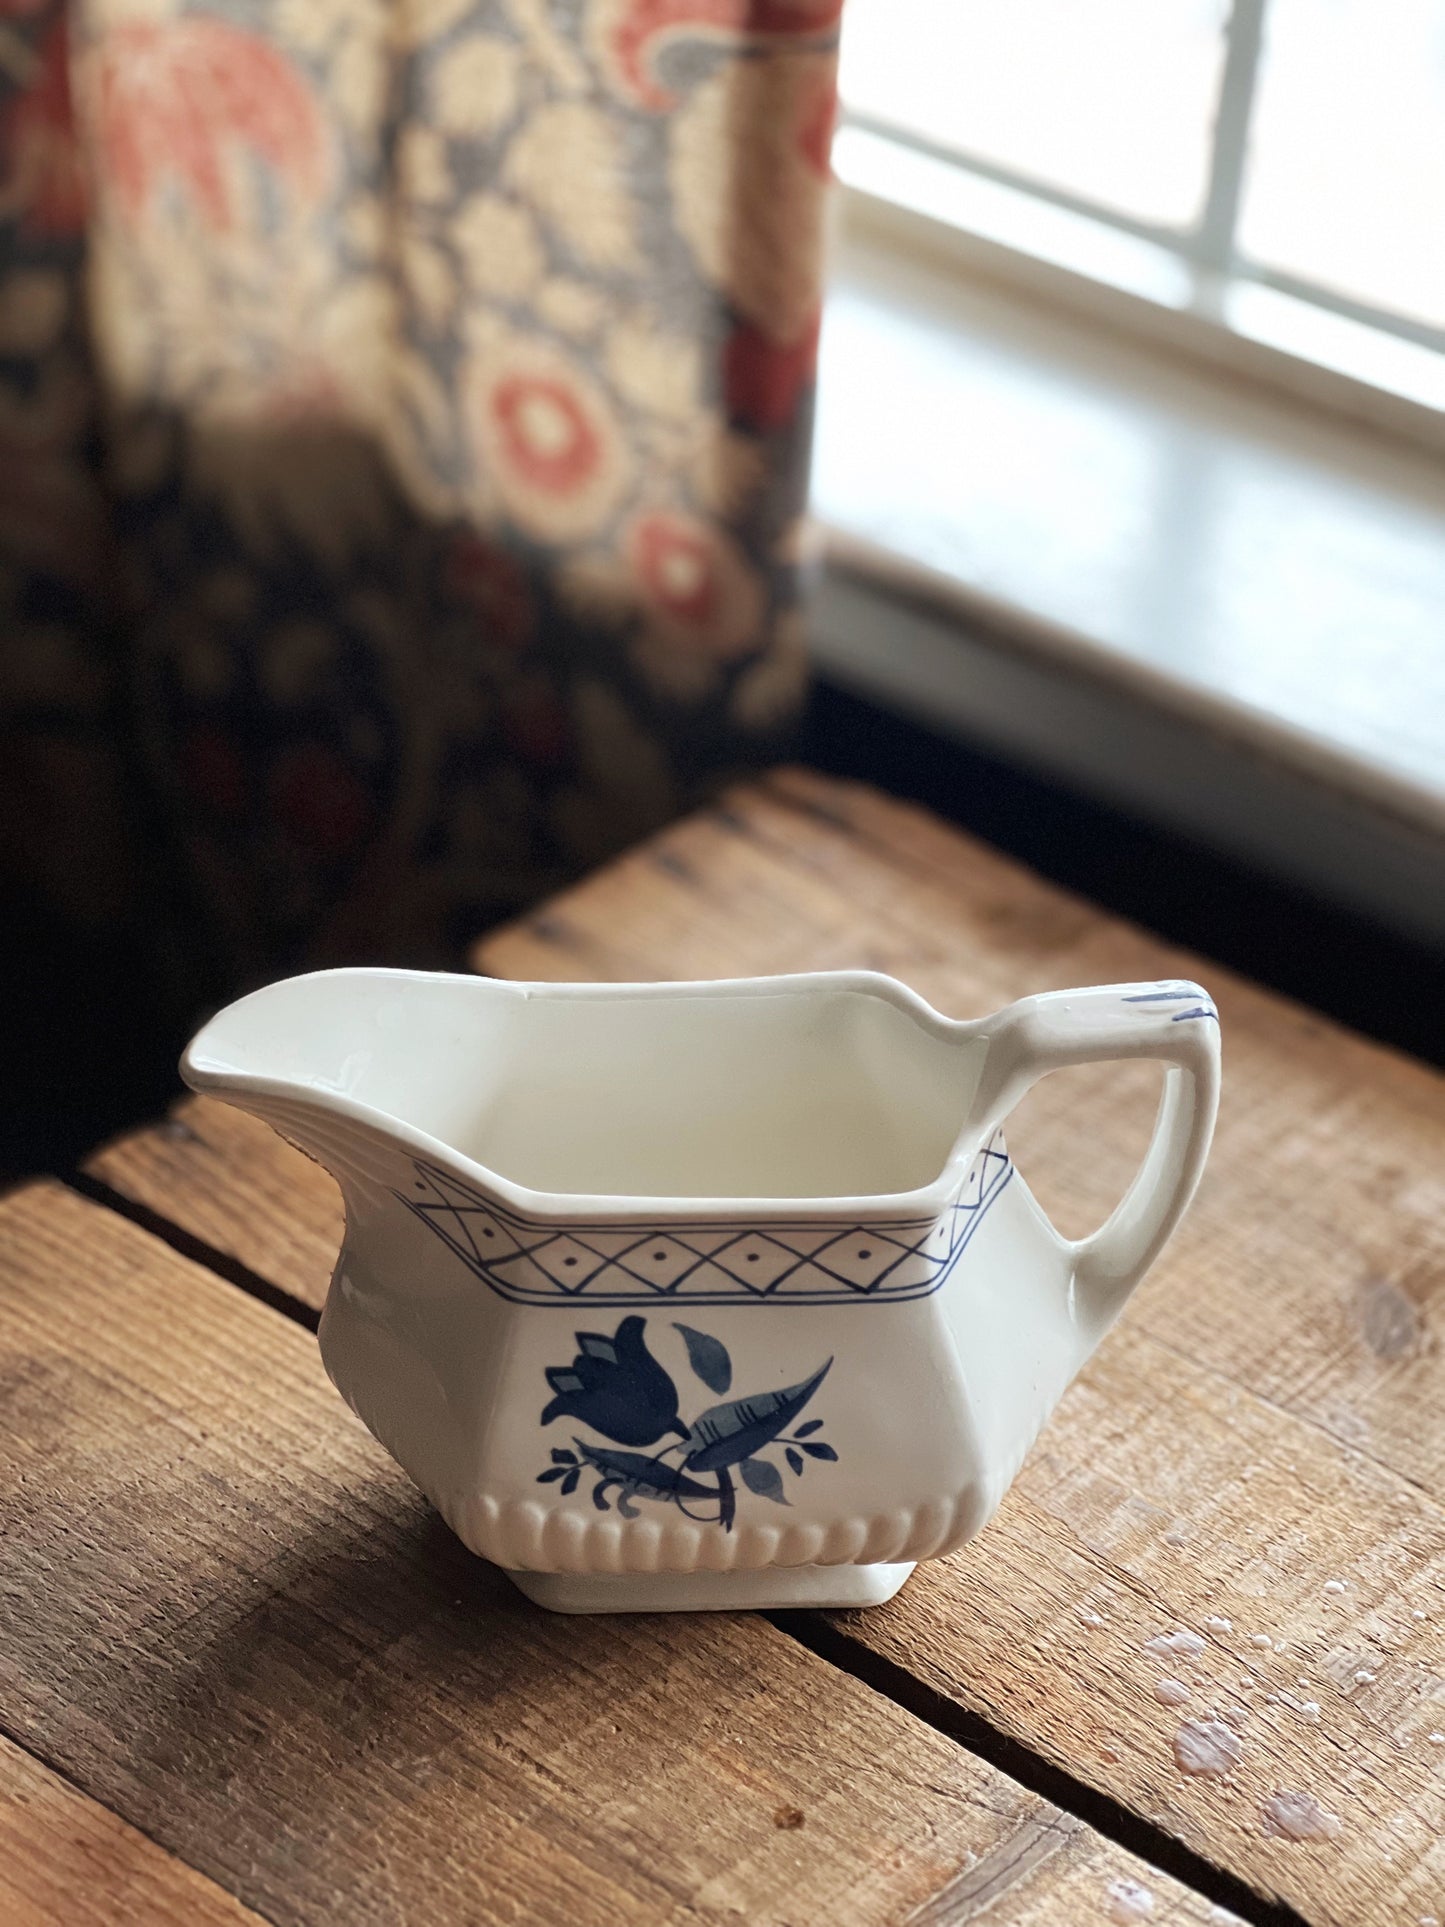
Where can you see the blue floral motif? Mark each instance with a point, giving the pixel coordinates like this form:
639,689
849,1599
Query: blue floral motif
616,1387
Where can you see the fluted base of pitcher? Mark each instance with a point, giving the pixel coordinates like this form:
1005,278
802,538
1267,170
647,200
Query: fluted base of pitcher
774,1588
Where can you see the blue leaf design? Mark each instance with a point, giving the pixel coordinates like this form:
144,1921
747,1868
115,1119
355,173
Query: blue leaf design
559,1457
764,1479
556,1472
795,1459
708,1358
805,1431
569,1484
728,1434
820,1451
651,1477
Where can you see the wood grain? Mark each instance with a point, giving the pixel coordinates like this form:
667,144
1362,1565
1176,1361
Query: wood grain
66,1861
1260,1426
230,1618
227,1179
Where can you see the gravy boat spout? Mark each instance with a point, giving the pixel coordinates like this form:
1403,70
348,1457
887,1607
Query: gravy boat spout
705,1295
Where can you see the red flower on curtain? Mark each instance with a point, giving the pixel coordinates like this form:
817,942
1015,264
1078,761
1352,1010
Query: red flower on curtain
698,590
817,114
318,799
763,379
494,585
186,100
546,433
536,724
212,771
639,30
673,560
41,182
548,443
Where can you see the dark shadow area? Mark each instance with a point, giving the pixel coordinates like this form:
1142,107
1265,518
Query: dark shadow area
1375,980
89,1048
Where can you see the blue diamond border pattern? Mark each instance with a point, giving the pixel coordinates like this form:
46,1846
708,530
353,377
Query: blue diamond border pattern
704,1261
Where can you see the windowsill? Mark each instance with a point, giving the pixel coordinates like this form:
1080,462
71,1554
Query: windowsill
928,208
1225,558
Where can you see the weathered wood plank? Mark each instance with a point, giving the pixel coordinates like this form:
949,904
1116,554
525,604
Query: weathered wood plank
66,1859
247,1193
1288,1330
231,1619
1161,1501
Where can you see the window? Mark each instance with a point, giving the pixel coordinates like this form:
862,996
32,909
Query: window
1277,167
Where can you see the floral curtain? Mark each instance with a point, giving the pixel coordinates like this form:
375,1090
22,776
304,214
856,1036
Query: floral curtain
403,421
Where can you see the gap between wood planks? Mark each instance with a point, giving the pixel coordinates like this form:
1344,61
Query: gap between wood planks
830,1641
157,1887
187,1245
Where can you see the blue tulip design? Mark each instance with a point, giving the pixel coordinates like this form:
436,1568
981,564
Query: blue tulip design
617,1387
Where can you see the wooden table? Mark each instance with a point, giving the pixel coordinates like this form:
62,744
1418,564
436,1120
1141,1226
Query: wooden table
245,1672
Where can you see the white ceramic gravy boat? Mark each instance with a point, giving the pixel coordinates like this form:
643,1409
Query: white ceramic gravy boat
707,1294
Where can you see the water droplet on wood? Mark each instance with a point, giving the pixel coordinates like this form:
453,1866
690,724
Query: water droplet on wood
1207,1747
1128,1902
1294,1815
1307,1709
1181,1645
1389,1320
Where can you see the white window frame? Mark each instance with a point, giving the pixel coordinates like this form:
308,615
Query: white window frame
1191,289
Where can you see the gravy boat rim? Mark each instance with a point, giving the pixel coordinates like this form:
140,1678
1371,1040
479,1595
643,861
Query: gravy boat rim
212,1078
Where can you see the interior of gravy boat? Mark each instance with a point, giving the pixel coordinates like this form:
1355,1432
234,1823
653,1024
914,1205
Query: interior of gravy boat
815,1094
786,1088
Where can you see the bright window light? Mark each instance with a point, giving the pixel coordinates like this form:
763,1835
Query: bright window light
1051,89
1346,178
1294,146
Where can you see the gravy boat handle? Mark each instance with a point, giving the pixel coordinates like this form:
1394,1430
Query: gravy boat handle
1175,1022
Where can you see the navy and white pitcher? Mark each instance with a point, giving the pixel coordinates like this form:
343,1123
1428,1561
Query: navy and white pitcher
709,1295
